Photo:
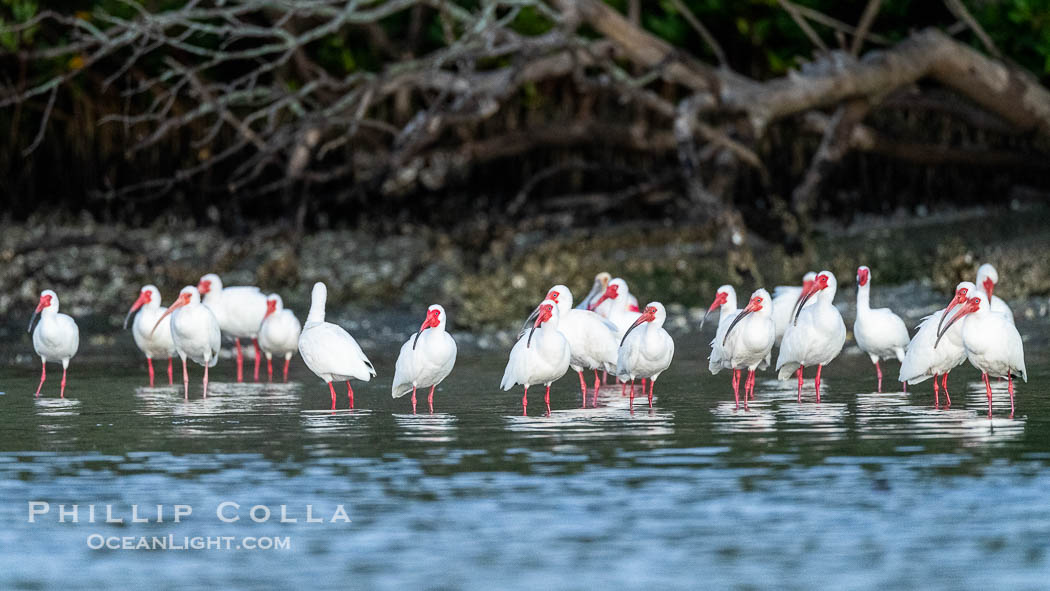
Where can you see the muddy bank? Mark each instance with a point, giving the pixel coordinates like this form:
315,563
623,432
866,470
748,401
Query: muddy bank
380,283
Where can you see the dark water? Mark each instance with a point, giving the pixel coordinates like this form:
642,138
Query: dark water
862,491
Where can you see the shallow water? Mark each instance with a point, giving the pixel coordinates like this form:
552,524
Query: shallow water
862,491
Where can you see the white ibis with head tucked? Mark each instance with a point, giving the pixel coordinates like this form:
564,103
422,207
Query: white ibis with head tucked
592,339
879,332
923,361
784,299
195,332
239,310
152,343
56,337
992,344
426,358
329,351
748,340
541,357
618,296
645,353
279,334
987,279
816,333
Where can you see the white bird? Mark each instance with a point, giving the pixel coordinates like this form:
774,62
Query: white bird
239,310
279,334
601,281
592,339
992,344
987,279
880,333
540,358
725,302
195,332
816,334
426,358
619,307
646,353
748,340
784,299
329,351
152,344
605,307
922,361
56,337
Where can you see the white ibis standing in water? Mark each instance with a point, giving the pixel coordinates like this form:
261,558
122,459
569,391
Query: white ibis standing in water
992,344
748,340
195,332
240,311
645,353
56,337
816,333
725,302
592,339
879,332
152,344
541,357
617,294
426,358
784,299
329,351
987,279
923,361
279,334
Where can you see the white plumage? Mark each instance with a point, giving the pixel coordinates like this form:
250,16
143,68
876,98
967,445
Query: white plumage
540,357
784,299
240,311
195,332
56,337
426,358
329,351
748,340
987,279
153,344
923,361
816,335
879,332
645,353
618,298
725,303
279,334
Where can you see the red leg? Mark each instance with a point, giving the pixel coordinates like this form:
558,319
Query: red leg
1010,384
547,399
171,375
525,403
936,392
800,383
149,362
413,400
632,393
430,399
62,390
240,360
286,362
43,376
623,389
594,401
904,387
350,394
819,367
878,371
651,384
269,369
583,388
331,389
185,381
257,354
605,377
988,387
749,388
736,388
205,380
944,382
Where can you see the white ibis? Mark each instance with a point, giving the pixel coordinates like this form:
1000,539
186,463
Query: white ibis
645,354
592,339
987,279
992,344
195,332
784,299
426,358
539,358
748,340
152,344
922,361
879,332
725,302
329,351
619,307
56,337
816,333
601,281
279,334
239,310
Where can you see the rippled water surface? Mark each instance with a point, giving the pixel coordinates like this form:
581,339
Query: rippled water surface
864,490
